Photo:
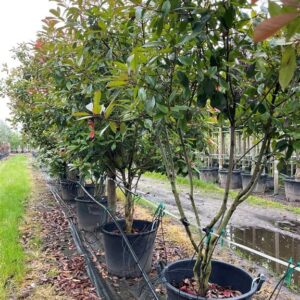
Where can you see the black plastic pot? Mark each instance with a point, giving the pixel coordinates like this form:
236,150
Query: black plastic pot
90,188
90,215
260,186
119,261
236,179
222,273
292,189
68,190
209,175
270,183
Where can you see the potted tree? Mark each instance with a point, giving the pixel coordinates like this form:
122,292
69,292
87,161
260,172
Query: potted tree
118,133
202,67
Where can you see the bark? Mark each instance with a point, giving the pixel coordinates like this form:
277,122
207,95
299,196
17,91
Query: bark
129,210
111,190
297,173
206,252
100,186
190,175
167,156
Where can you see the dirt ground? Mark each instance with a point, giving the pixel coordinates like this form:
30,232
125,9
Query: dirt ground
247,215
56,271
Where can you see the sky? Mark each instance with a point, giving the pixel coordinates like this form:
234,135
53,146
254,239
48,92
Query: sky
19,22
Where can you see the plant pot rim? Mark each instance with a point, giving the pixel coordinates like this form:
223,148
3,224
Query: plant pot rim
254,288
104,231
83,199
292,179
249,175
226,171
66,181
89,185
208,169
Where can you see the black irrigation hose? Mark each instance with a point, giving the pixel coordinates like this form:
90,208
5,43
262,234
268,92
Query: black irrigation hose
136,260
101,289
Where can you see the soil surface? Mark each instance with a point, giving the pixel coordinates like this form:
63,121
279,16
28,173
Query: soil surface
208,204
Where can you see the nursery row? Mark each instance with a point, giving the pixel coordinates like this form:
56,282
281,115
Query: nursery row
110,90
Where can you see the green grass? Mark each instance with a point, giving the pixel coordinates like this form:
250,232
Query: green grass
15,186
213,188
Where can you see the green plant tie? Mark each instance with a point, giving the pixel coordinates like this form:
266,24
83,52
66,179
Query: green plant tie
160,210
222,236
137,198
289,273
208,235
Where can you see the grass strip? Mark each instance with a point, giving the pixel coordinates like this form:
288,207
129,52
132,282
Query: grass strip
15,187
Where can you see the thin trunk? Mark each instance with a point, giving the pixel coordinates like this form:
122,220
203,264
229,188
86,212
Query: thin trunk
129,202
111,190
228,180
205,254
129,210
167,156
297,173
100,186
190,175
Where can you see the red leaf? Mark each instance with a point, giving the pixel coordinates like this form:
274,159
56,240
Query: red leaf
270,26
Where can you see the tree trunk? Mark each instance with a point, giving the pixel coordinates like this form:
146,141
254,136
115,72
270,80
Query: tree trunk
297,173
129,210
111,191
100,186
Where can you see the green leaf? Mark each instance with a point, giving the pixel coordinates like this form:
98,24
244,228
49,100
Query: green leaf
185,60
84,118
109,109
142,94
166,7
162,108
274,9
96,102
102,25
261,108
69,85
149,105
80,114
201,100
260,88
103,130
113,146
183,79
209,86
218,100
282,145
289,152
150,80
148,124
296,144
113,126
123,128
116,83
159,26
229,16
250,72
55,12
288,66
80,60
